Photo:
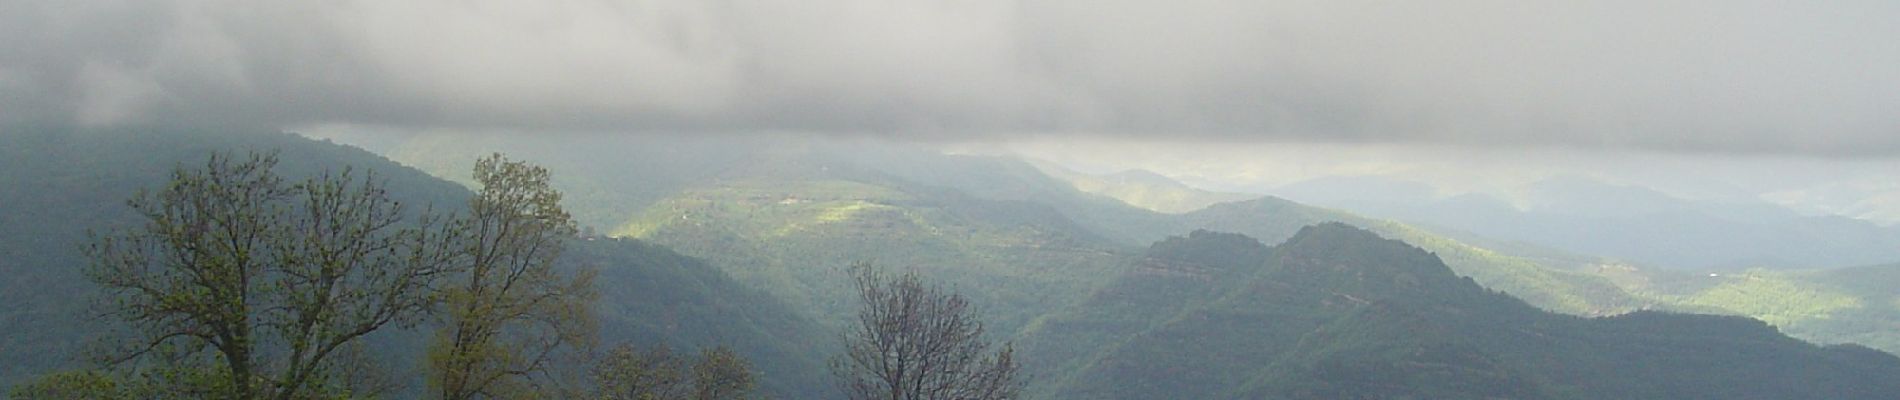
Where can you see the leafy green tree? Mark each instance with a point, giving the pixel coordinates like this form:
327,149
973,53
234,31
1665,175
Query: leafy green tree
511,311
722,374
276,279
164,380
84,384
627,373
919,342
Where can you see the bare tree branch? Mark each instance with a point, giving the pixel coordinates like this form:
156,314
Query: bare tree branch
918,342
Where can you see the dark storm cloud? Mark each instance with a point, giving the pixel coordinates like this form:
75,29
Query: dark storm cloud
1790,77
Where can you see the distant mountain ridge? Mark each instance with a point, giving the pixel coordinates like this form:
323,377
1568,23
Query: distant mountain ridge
1589,216
1337,312
1333,312
1142,188
784,216
659,181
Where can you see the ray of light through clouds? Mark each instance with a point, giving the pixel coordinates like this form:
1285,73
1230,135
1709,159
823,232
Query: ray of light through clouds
1803,92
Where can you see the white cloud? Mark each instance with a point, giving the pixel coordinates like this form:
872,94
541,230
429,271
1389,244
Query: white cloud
1749,76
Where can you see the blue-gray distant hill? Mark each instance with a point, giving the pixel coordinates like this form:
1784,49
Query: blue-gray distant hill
1637,224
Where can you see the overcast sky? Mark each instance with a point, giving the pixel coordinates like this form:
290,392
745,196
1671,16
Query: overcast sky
1813,78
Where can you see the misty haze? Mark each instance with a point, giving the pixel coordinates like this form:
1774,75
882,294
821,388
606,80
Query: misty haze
988,199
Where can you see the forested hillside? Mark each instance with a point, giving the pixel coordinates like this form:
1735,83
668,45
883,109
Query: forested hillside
55,186
788,217
1846,305
1024,244
1334,312
1337,312
748,191
755,188
58,185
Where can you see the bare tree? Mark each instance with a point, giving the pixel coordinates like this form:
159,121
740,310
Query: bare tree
512,310
919,342
276,279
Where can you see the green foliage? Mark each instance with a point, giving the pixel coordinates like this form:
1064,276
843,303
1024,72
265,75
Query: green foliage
1850,305
160,381
275,278
658,374
74,182
1775,301
626,373
650,294
78,181
83,384
722,374
1388,351
512,313
629,373
792,238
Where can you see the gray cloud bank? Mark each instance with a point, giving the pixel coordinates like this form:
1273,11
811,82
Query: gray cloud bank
1715,76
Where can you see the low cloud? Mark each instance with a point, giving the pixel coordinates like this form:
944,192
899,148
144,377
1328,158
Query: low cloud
1774,77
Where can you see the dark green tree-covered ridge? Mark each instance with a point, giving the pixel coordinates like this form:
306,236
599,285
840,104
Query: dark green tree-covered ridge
1338,312
1858,305
652,295
55,185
